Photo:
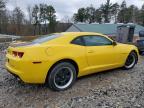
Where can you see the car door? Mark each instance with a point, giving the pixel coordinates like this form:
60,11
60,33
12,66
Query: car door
100,52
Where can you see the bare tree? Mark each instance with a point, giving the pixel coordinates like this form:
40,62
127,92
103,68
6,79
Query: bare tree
2,11
66,19
18,18
2,5
35,15
29,10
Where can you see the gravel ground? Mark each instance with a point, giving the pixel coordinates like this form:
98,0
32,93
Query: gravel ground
111,89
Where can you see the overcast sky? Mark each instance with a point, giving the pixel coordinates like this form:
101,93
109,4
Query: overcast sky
66,7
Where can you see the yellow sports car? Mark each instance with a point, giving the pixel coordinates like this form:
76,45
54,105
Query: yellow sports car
59,59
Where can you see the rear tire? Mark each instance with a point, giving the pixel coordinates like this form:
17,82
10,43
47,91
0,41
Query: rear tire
131,60
62,76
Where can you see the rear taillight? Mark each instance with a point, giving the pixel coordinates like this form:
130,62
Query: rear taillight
18,54
14,53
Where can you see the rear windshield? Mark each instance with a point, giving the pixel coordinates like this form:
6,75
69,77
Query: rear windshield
46,38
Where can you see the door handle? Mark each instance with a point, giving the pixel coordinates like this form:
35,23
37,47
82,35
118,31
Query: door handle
91,51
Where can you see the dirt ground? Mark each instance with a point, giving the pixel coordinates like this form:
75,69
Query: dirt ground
111,89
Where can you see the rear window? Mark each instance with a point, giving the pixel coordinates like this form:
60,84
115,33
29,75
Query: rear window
46,38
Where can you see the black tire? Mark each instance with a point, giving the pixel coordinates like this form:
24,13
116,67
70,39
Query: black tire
62,76
131,60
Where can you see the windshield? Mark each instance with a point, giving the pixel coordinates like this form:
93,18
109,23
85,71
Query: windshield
46,38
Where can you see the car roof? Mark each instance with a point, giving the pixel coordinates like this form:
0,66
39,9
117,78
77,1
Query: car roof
66,37
81,33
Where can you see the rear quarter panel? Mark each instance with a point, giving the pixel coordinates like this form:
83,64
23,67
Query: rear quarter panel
74,52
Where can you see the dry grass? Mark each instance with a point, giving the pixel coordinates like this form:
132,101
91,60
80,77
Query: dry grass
27,38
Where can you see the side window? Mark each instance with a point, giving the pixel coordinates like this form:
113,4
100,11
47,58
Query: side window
78,41
96,41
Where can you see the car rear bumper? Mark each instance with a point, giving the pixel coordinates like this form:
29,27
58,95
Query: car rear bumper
27,71
14,72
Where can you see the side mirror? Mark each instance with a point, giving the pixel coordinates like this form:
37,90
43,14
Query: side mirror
114,43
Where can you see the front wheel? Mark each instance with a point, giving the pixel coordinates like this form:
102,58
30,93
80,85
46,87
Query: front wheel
131,60
62,76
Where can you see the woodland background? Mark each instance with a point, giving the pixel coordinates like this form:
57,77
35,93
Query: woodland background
42,19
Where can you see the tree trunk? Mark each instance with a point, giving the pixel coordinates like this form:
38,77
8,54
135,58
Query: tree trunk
35,29
39,29
45,28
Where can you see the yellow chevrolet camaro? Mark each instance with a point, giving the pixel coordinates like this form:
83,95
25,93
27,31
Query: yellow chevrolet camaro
59,59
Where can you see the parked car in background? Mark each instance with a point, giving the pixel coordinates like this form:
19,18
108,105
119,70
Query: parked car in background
59,59
140,45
